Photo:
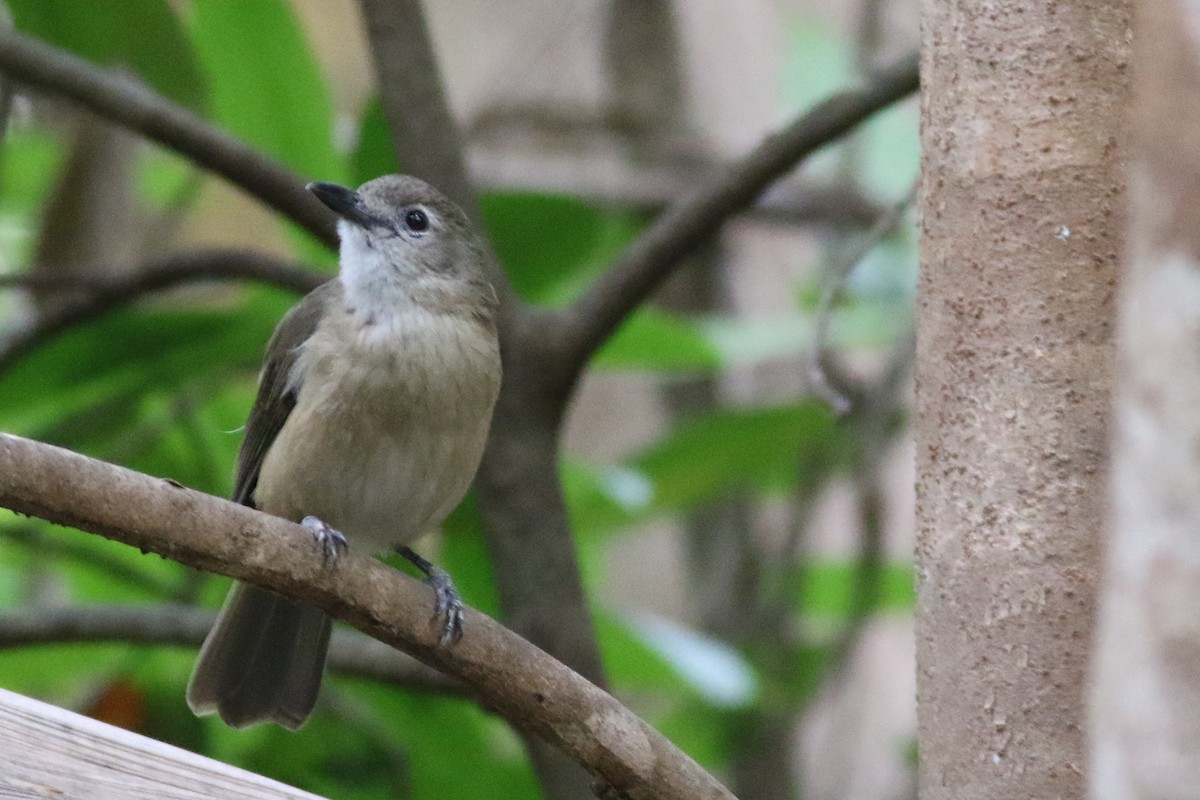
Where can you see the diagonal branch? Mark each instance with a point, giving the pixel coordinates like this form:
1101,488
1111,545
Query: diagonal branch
692,220
123,100
530,689
191,267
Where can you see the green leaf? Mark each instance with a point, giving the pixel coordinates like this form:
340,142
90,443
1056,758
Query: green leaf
167,181
892,155
132,352
464,555
601,501
632,663
56,673
142,35
653,339
706,734
728,451
818,62
551,246
265,84
447,747
88,568
29,156
711,669
374,155
827,588
867,323
337,753
702,461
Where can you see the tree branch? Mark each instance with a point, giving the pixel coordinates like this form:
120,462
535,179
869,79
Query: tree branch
107,295
350,653
127,102
426,138
47,549
651,188
531,690
692,220
837,275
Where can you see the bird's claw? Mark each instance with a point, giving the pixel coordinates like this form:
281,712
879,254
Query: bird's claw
448,606
332,541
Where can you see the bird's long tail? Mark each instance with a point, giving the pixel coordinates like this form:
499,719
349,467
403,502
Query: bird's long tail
262,660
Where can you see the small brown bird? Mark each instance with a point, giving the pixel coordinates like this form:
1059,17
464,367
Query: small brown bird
373,408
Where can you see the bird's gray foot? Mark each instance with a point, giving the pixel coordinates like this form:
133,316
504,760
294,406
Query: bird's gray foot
448,606
331,540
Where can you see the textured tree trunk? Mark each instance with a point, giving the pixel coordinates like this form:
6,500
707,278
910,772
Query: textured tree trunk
1145,728
1022,199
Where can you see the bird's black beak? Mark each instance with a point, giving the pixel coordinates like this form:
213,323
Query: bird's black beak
346,203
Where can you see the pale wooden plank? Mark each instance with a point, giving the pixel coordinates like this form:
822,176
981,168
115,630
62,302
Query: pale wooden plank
48,752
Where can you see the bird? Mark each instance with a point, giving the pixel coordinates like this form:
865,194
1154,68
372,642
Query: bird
373,408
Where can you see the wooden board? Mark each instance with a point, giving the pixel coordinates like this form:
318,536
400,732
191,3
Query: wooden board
48,752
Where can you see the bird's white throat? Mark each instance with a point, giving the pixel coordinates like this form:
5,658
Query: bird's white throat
373,287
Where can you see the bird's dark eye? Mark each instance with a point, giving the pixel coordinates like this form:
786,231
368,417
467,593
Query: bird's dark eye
416,220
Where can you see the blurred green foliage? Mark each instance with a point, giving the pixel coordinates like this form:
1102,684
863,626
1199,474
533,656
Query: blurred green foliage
164,386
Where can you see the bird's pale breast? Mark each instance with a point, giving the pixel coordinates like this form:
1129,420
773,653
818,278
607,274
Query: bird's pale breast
388,428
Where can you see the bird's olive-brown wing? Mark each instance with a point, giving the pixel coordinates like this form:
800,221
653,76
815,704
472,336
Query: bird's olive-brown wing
276,392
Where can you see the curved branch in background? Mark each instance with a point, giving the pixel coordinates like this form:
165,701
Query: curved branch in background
528,688
350,652
203,265
28,537
127,102
591,319
650,188
836,276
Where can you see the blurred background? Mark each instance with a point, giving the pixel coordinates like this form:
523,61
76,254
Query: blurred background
736,462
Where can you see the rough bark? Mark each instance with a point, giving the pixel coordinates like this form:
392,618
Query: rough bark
1145,732
1022,203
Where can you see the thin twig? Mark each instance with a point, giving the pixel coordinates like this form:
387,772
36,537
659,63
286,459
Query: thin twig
694,218
650,187
836,277
204,265
122,99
